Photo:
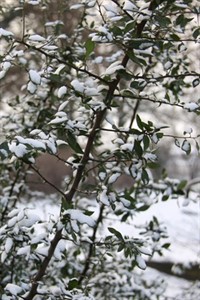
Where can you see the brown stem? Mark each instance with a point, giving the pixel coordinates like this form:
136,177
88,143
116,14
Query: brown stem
91,246
43,266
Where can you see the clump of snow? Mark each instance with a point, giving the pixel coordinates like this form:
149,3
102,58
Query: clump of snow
103,197
79,216
62,91
18,150
31,87
13,289
35,77
191,106
36,38
6,33
113,68
140,262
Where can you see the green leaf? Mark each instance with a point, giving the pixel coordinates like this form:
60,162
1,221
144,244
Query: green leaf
116,233
139,122
143,208
138,149
196,33
182,185
89,47
145,176
4,150
73,283
195,82
166,245
146,142
73,143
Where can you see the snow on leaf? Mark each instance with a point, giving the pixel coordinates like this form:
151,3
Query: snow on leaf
19,150
31,142
77,85
113,178
104,198
116,66
35,77
80,217
42,250
24,250
36,38
6,33
63,105
13,289
191,106
31,87
186,147
140,262
62,91
8,245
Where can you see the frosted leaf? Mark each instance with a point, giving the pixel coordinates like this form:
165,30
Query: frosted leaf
102,176
42,250
91,91
125,202
8,245
168,65
77,85
74,226
13,213
61,142
61,118
140,262
39,238
6,33
2,74
76,6
34,2
30,220
31,87
127,146
51,145
19,150
80,217
191,106
63,105
13,289
104,198
116,66
113,178
6,65
35,77
24,250
58,253
128,5
36,38
186,146
145,251
31,142
62,91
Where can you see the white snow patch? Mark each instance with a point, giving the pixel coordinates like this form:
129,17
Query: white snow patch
191,106
79,216
62,91
34,77
13,289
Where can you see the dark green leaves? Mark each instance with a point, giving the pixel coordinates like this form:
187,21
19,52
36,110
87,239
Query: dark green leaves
89,48
73,143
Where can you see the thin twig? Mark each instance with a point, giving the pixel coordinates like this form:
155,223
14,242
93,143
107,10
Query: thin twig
47,181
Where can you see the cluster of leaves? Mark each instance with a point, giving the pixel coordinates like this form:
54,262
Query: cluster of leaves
86,90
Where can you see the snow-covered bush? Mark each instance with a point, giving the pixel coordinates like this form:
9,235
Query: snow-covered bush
95,79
